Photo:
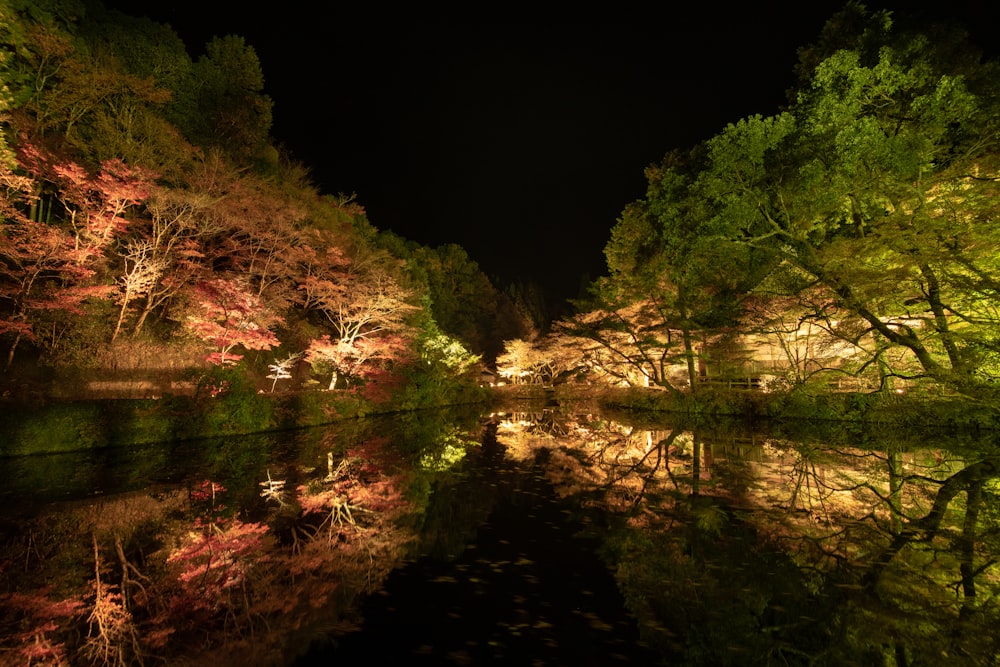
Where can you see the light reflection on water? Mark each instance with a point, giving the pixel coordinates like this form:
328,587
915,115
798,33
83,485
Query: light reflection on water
549,535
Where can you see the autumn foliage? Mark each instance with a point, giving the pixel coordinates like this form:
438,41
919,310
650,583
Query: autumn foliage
229,316
126,223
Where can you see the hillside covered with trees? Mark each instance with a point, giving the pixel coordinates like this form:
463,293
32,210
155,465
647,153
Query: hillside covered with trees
848,242
155,239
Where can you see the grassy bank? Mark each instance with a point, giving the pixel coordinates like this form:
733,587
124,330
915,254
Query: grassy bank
861,409
42,426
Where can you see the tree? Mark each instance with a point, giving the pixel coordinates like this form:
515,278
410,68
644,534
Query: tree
367,310
227,315
343,359
628,343
140,273
178,220
282,370
880,184
877,188
233,113
519,362
665,255
95,208
542,361
462,300
260,234
43,267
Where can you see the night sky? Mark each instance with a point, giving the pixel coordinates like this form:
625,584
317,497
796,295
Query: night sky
520,142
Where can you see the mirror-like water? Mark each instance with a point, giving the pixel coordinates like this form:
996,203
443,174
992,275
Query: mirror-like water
526,588
547,537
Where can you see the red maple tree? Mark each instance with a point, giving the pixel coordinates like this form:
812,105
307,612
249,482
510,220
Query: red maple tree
228,315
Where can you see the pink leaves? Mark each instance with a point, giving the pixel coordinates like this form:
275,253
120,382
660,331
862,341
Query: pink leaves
217,555
228,315
40,618
214,559
95,204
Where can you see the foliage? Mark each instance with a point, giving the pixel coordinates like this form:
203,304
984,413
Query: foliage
231,111
856,229
463,301
229,315
281,370
141,199
230,403
443,373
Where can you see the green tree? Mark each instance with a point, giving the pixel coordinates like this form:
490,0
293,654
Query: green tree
665,253
462,299
879,185
231,110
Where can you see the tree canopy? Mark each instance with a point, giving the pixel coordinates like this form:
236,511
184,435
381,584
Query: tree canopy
853,232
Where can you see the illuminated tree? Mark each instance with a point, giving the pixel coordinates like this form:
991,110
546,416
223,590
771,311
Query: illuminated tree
260,235
367,311
95,208
178,220
282,370
140,273
880,185
876,190
462,300
631,345
665,289
227,315
42,267
340,358
519,362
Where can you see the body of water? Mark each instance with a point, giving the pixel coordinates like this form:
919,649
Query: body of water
544,537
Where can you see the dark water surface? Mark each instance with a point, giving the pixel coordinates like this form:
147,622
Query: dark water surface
529,589
543,537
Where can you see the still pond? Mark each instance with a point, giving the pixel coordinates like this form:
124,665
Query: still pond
541,536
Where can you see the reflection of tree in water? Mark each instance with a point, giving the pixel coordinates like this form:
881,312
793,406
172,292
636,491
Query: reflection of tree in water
188,576
736,548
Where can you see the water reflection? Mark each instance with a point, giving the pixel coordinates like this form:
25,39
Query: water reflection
745,548
455,539
526,587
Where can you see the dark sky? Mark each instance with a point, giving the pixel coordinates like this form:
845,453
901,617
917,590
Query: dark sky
520,142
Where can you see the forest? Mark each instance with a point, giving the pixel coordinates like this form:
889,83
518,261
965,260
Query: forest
846,244
156,240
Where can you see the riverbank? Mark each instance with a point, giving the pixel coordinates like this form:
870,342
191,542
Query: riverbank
44,426
47,426
871,410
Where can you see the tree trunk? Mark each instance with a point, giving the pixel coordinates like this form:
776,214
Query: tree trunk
689,356
10,353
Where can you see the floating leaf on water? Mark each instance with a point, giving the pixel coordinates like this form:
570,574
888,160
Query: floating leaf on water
598,624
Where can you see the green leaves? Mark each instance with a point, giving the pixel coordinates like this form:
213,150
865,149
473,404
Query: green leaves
232,111
868,185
